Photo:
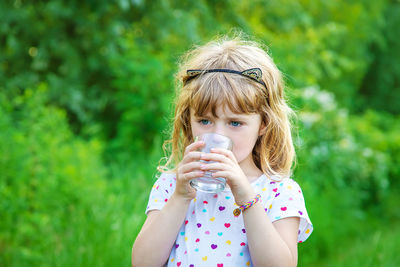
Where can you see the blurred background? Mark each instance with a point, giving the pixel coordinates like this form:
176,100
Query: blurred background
86,92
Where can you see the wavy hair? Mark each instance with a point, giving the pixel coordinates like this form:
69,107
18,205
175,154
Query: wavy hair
273,152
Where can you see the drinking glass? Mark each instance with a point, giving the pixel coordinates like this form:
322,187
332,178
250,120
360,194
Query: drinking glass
207,183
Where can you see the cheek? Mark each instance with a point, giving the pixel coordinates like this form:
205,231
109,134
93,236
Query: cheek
243,149
197,131
194,128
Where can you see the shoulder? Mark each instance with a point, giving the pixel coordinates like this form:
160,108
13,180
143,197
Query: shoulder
167,176
165,180
288,188
287,201
289,184
276,183
283,190
161,191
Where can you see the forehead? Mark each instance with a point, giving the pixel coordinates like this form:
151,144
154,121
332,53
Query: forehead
235,94
222,105
223,112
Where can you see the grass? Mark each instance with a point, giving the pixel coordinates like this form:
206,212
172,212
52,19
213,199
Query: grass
376,248
103,233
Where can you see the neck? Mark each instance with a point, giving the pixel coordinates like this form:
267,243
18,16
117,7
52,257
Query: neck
250,169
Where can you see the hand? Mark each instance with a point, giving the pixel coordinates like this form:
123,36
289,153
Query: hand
188,169
226,166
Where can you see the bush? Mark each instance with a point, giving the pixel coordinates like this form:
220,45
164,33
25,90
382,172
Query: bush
347,167
55,208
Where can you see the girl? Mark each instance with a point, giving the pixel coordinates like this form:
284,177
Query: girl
230,87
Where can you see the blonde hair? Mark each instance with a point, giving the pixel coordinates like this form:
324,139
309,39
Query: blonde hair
273,152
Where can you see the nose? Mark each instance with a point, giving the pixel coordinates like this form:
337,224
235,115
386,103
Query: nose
220,129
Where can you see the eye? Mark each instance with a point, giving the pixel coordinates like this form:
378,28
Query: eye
204,122
236,123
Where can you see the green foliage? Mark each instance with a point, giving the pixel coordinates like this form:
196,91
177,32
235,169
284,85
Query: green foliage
66,46
86,99
319,42
381,85
55,207
346,169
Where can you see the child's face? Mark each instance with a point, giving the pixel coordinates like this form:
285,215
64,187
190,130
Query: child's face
242,129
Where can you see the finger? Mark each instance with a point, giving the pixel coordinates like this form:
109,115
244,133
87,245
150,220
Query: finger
194,146
191,156
191,175
188,167
215,166
227,153
224,174
214,157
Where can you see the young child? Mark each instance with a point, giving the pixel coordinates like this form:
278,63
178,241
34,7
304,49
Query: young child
231,87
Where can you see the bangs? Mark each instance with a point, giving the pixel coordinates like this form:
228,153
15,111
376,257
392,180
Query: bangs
239,94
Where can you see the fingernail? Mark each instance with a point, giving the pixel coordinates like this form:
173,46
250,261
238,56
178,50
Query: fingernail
202,166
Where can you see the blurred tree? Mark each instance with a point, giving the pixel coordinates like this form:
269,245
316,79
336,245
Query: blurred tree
68,45
319,42
52,185
110,64
109,68
380,88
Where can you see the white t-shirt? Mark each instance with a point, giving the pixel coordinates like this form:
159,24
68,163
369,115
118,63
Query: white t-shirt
212,236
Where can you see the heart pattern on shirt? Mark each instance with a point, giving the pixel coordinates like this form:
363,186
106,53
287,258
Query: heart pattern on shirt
210,226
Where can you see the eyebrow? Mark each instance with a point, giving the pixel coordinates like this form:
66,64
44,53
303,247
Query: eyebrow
232,118
235,118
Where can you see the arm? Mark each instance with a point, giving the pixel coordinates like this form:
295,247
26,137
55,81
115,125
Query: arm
157,236
153,245
271,244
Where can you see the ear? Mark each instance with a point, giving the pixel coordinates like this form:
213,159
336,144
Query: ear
262,130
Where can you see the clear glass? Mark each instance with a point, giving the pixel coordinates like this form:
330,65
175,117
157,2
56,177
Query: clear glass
207,183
